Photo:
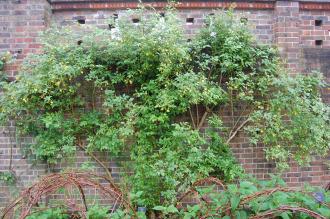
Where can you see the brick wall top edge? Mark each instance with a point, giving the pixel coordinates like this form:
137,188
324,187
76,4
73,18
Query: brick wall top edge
309,5
59,5
92,1
314,1
109,1
161,4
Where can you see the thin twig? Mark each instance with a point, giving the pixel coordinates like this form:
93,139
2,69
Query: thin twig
114,205
197,115
201,123
255,195
232,106
99,162
83,197
274,212
238,129
220,80
237,121
201,182
11,149
93,98
192,118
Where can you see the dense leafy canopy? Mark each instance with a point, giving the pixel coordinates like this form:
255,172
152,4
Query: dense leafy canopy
143,90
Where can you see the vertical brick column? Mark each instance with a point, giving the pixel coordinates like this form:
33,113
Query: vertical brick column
20,24
21,21
287,33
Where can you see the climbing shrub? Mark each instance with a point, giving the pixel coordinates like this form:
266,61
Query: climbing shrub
293,122
4,57
144,92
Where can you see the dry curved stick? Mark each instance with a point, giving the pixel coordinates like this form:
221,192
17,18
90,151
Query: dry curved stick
267,192
248,198
53,182
255,195
83,197
273,213
208,180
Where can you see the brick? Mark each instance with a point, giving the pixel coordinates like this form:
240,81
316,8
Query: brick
4,34
4,13
20,12
4,46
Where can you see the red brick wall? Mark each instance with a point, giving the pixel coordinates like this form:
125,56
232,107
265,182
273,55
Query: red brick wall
261,20
286,32
315,29
20,24
288,24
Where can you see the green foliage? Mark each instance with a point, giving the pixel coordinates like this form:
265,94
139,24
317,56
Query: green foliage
97,212
166,210
4,58
146,92
294,122
8,177
94,212
269,201
249,198
56,213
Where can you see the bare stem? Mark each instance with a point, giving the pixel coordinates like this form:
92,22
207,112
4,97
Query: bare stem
192,118
232,106
238,129
201,123
93,98
83,197
197,115
11,149
109,176
237,121
220,80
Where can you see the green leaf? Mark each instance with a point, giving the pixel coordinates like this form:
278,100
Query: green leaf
141,215
246,184
234,202
247,187
232,188
285,215
187,215
241,214
159,208
172,209
324,211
